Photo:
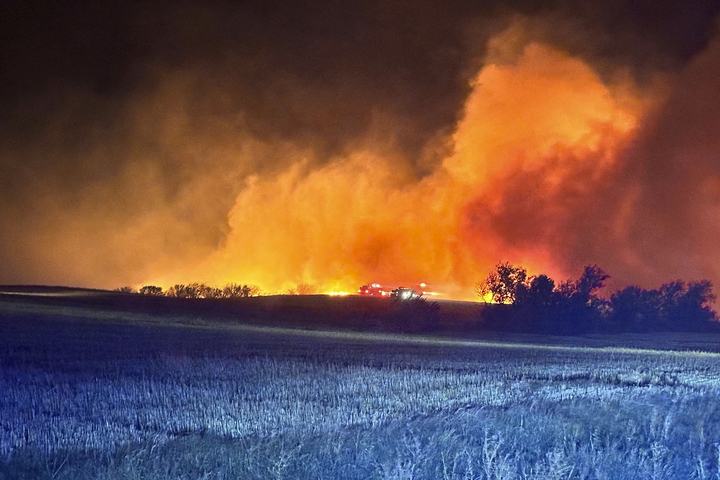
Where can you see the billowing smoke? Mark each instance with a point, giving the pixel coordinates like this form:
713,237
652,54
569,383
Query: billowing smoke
385,145
544,120
648,215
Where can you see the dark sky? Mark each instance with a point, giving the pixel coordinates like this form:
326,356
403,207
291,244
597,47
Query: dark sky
128,129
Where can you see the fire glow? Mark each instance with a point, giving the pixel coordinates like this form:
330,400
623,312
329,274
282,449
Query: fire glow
392,144
365,216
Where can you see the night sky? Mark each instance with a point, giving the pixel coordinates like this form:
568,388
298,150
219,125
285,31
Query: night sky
341,143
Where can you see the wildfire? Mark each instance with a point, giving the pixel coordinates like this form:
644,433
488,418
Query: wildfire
365,215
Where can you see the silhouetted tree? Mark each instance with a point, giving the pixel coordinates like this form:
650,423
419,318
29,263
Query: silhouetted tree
234,290
674,306
686,306
250,290
540,293
579,309
592,279
502,284
202,290
180,291
634,309
193,290
125,290
696,302
538,304
151,290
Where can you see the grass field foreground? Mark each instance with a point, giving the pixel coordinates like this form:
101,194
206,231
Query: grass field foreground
105,399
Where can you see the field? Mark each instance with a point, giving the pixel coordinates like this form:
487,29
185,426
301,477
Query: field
94,390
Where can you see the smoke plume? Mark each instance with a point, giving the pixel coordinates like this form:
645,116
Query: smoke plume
369,144
529,129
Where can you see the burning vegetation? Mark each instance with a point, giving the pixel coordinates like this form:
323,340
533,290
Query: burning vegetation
513,301
541,137
546,115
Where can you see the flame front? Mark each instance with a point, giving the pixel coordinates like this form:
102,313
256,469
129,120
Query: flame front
366,217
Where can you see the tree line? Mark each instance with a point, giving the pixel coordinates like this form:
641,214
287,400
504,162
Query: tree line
539,304
197,290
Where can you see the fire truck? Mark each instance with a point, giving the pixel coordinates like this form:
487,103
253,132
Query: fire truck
401,293
372,290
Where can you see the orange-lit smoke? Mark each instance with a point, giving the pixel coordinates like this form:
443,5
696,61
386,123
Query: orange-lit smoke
365,217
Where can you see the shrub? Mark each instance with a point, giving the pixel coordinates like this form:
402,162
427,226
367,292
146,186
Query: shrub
151,290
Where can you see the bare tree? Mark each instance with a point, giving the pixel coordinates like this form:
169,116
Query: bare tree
234,290
179,290
151,290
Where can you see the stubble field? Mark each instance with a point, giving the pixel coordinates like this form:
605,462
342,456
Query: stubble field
88,396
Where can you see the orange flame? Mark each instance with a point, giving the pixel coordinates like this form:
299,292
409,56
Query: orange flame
365,217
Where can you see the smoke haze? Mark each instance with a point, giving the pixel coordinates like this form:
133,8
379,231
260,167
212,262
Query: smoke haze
278,145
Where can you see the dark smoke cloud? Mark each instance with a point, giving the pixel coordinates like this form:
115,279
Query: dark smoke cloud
676,167
653,218
127,129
